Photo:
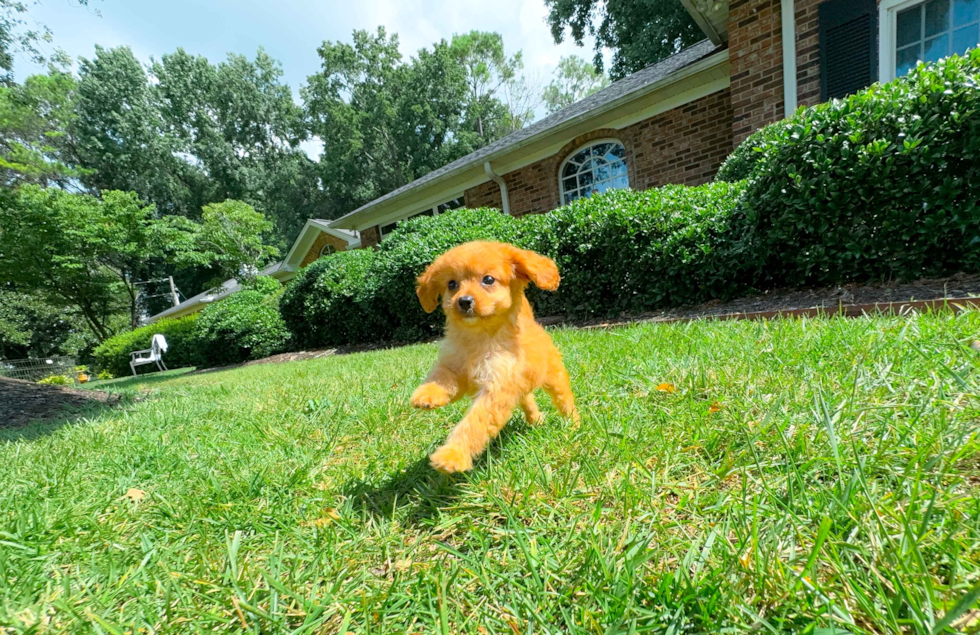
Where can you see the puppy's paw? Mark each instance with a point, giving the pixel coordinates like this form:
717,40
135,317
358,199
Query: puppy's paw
449,459
534,419
429,396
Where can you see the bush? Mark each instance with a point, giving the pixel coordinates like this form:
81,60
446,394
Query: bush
406,253
884,184
622,251
740,163
245,325
57,380
183,348
631,251
326,304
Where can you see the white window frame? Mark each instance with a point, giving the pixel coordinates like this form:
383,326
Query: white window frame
324,252
888,12
404,217
565,161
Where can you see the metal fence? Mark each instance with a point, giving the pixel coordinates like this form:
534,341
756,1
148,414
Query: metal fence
37,369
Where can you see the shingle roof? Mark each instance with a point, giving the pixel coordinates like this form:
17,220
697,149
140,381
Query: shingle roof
595,102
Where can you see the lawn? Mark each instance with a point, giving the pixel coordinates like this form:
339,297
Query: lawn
789,476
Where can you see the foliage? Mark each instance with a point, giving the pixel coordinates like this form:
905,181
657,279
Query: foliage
245,325
326,304
497,103
629,252
36,140
57,380
383,123
81,251
639,32
676,236
19,33
33,327
183,346
237,122
405,254
230,240
843,450
883,184
574,79
105,374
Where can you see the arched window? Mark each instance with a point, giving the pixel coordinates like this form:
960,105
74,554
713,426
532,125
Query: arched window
597,167
327,249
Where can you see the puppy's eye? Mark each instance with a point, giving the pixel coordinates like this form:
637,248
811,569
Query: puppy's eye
453,285
488,280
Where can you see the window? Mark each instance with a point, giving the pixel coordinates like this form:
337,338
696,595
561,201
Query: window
435,210
327,249
597,167
926,31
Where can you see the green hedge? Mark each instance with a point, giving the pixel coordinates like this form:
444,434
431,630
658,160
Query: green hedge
245,325
622,251
183,348
882,185
326,303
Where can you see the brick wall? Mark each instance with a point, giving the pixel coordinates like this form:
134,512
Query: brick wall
685,145
755,54
370,237
323,239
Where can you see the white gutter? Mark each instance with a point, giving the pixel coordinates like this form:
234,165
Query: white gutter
496,178
788,11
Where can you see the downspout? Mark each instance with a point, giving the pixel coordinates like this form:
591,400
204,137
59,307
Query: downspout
496,178
788,11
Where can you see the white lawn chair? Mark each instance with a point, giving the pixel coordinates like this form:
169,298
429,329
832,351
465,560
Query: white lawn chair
152,355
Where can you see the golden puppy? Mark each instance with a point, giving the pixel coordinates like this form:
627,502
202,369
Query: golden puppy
493,348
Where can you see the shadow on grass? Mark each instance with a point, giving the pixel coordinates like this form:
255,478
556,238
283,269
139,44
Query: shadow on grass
127,383
69,414
420,489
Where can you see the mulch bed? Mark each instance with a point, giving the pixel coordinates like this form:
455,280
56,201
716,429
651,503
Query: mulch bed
23,402
955,287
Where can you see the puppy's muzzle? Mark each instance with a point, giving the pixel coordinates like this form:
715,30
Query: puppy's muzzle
465,304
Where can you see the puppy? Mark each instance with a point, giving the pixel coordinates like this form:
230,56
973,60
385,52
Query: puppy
494,350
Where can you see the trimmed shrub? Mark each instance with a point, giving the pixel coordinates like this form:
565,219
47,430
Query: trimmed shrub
884,184
630,251
183,348
405,254
327,303
245,325
740,163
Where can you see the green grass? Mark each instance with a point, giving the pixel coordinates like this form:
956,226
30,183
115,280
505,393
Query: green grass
835,490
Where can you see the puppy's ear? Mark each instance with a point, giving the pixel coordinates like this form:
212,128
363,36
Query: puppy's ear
540,270
427,291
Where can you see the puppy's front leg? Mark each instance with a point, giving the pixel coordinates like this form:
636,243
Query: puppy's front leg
484,420
440,388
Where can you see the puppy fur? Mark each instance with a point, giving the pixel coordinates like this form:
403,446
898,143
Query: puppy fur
493,350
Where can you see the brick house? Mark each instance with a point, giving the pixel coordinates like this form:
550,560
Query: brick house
674,121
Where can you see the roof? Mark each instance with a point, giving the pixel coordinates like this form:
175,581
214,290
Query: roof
640,82
210,295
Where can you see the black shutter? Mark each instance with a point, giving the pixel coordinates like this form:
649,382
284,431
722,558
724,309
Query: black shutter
848,47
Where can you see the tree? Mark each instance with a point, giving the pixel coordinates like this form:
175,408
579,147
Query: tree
383,123
489,74
36,143
229,239
32,327
78,251
238,122
123,140
639,32
574,79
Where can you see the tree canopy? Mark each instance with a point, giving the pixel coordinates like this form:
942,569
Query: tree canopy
574,79
639,32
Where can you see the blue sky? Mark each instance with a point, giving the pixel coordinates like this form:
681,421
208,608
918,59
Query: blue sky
291,30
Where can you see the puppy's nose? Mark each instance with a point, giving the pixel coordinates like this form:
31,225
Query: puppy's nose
465,303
